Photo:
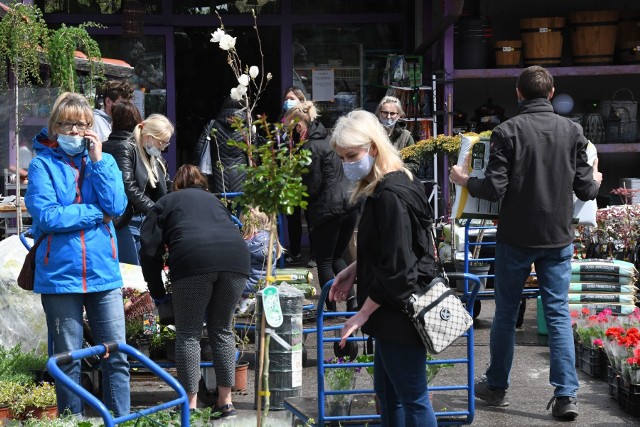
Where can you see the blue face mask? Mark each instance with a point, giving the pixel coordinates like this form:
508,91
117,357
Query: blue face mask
355,171
153,150
71,144
289,104
388,122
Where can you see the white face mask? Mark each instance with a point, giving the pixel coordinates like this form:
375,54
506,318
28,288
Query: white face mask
388,122
153,150
355,171
71,144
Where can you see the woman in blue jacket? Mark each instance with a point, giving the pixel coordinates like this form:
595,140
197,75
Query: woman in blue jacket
74,192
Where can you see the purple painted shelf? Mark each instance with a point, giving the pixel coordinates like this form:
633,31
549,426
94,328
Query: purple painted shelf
628,147
594,70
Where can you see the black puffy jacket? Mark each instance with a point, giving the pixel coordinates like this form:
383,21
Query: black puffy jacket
135,177
229,179
328,188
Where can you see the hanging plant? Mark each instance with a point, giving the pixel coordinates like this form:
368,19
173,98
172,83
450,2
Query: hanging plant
63,44
23,40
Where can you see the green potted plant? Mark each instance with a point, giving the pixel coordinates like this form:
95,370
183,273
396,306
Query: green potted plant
338,378
10,392
40,401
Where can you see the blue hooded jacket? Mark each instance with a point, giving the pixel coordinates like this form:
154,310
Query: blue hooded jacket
79,253
258,245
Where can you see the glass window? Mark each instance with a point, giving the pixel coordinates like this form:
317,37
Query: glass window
339,52
147,56
349,6
105,7
208,7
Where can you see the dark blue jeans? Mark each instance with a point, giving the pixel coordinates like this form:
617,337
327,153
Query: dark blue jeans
553,269
400,382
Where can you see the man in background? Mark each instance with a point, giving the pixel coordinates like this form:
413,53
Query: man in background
112,92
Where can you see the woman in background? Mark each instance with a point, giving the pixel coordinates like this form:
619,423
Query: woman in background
74,192
330,215
389,112
395,258
147,177
125,117
209,265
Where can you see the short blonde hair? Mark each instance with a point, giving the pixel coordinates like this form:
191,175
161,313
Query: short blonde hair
69,106
390,100
253,221
361,129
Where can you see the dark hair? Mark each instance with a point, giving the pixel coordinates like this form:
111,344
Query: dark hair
125,116
535,82
114,89
189,176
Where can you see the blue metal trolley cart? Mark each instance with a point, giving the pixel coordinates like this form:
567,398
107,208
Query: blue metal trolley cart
94,402
311,411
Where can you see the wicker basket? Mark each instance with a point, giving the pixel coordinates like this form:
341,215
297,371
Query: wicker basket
627,110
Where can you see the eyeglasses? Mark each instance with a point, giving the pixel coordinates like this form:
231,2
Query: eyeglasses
163,144
68,126
388,113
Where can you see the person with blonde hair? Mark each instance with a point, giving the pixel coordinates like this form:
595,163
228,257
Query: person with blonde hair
395,257
144,170
389,112
208,265
74,192
256,228
330,216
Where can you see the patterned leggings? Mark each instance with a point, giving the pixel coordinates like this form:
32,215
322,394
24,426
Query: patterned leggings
215,296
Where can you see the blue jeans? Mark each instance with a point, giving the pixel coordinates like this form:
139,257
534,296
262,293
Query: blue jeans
134,228
400,382
105,312
127,252
553,269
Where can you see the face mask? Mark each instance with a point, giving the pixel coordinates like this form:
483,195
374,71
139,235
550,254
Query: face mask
153,150
355,171
388,122
289,104
71,144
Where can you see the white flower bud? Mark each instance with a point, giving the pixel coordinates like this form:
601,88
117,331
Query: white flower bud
269,76
243,80
254,71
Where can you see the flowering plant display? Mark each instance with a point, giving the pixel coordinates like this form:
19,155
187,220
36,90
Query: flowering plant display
590,328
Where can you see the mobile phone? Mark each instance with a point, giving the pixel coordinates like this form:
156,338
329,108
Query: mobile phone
88,144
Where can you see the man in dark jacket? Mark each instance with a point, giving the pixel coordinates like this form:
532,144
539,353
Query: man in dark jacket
225,176
538,159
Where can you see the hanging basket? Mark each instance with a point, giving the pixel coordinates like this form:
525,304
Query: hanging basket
627,110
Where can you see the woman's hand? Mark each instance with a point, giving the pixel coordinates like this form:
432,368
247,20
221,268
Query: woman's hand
343,283
95,145
352,324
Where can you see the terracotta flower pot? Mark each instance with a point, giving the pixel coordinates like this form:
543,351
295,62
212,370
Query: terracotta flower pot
242,370
50,412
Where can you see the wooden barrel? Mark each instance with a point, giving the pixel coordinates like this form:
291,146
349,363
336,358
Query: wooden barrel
629,52
628,28
508,53
593,36
542,40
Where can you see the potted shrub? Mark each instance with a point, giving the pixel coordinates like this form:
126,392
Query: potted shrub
40,401
10,391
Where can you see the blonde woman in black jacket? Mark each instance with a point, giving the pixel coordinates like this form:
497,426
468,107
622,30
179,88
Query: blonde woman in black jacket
395,257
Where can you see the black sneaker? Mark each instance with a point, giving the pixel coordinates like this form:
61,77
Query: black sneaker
493,396
564,407
224,411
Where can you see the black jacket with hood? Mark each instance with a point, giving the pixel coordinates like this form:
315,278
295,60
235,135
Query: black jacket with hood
329,190
395,255
229,179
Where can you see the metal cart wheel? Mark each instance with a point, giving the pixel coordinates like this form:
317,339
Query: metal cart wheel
350,350
477,306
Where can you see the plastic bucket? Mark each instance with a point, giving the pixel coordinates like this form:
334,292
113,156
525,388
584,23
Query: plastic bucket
542,40
542,324
593,36
508,53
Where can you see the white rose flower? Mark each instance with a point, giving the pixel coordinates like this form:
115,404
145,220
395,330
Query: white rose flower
215,37
243,80
254,71
227,42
